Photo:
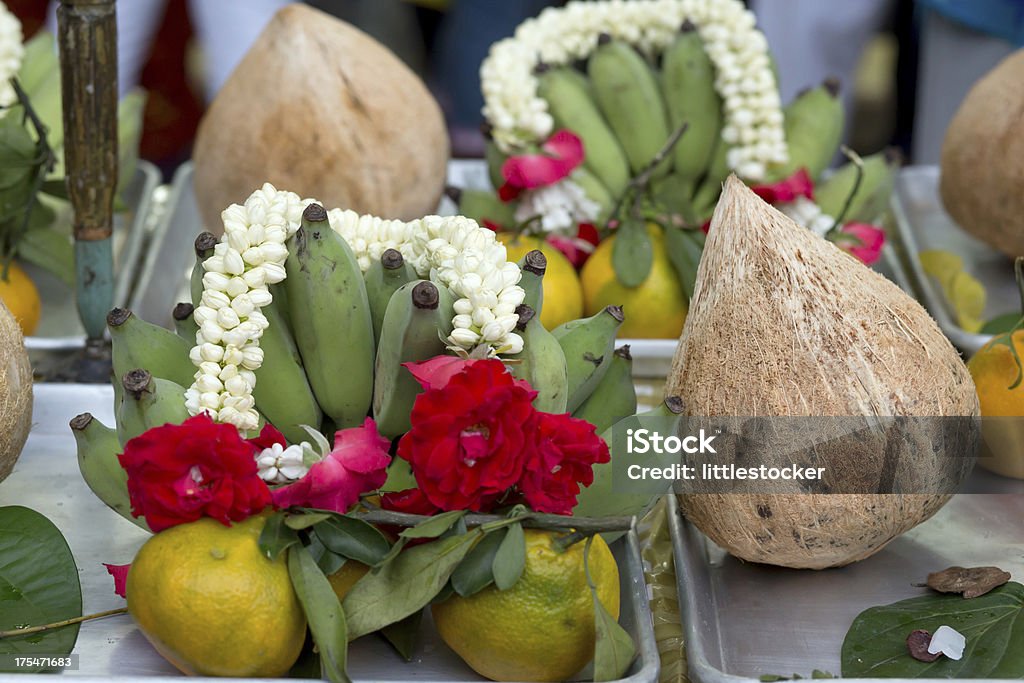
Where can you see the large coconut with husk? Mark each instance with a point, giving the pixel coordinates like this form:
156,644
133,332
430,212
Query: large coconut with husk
319,108
799,354
15,392
982,180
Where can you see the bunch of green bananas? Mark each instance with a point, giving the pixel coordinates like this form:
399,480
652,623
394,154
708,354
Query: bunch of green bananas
334,353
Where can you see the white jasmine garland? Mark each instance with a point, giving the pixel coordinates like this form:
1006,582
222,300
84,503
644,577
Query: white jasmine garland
808,214
11,54
561,207
743,75
281,465
466,258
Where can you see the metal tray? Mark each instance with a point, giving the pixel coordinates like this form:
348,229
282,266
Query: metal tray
743,621
59,328
46,478
921,224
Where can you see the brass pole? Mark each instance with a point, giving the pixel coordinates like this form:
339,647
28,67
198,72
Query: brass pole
87,36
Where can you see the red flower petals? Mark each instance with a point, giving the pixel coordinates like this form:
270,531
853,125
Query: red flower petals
562,153
564,452
120,574
787,190
867,243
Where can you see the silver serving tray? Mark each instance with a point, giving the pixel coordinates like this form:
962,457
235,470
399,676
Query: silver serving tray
59,327
46,479
921,224
743,621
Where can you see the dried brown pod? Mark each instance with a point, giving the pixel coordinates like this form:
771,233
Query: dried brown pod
784,323
320,108
15,392
917,645
973,582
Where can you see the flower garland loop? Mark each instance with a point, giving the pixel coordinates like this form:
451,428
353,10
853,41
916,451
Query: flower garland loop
558,36
250,257
11,54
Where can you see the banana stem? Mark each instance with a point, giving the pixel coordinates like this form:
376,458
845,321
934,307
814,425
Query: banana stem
859,165
643,178
60,624
532,520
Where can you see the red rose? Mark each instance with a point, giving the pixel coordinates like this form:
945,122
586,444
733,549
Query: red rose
561,154
179,473
411,501
561,458
468,439
788,189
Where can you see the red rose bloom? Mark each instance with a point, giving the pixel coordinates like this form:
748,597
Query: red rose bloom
469,436
179,473
561,458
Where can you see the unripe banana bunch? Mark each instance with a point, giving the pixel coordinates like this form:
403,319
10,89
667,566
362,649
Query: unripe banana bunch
333,349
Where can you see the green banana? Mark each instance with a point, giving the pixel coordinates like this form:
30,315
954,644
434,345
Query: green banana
282,391
483,205
629,96
599,499
541,363
330,312
38,63
136,343
445,306
204,244
495,160
533,266
814,128
872,197
184,323
596,192
706,196
148,402
572,107
409,334
383,279
588,344
615,395
688,85
98,448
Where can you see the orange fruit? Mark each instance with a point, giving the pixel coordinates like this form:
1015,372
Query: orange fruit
995,370
563,296
21,297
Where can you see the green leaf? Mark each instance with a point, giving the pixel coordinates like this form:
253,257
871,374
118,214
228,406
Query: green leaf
613,648
276,537
435,526
323,612
353,538
476,572
404,585
1001,324
304,520
38,585
55,188
684,249
510,558
404,635
632,253
993,625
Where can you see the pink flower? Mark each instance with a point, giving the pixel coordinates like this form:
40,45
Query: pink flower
357,464
435,372
120,574
787,190
577,249
563,152
866,243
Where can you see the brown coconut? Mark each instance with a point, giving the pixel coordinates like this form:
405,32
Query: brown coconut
982,180
15,392
784,323
319,108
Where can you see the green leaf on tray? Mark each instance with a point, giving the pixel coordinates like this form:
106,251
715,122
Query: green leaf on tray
303,520
993,625
510,558
476,572
632,253
404,585
614,650
404,635
323,612
1001,324
276,537
434,526
38,585
352,538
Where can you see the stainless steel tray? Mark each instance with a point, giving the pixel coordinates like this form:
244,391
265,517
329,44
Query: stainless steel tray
743,621
922,223
46,478
59,328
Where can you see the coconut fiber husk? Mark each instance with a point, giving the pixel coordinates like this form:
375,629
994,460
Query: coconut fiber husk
784,323
15,392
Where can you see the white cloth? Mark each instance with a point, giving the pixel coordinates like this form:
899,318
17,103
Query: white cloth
226,30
